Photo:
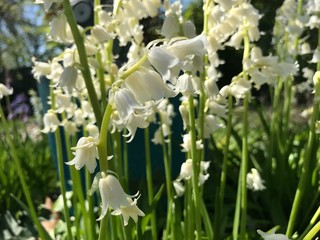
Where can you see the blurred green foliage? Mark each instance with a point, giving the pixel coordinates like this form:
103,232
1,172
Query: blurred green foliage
37,164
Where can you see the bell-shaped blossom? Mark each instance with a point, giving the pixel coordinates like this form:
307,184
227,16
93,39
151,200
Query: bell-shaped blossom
100,34
40,69
187,85
132,114
147,85
186,171
254,180
194,46
93,130
113,196
164,62
187,144
184,112
272,235
68,78
211,124
85,153
179,188
58,28
5,91
51,122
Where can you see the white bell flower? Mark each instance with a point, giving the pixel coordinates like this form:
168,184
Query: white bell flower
272,235
100,34
5,91
113,196
193,46
51,122
164,62
93,130
186,171
40,69
68,78
179,188
186,145
187,85
85,153
131,113
254,180
147,85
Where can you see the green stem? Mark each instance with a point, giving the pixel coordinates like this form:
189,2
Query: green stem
235,227
306,171
42,233
167,169
223,177
245,150
79,41
313,232
134,68
150,181
195,168
244,169
78,193
312,222
103,156
57,135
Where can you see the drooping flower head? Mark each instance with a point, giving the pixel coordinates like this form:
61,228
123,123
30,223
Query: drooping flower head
254,180
113,196
85,153
5,91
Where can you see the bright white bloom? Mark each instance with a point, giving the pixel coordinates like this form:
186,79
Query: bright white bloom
40,69
187,145
51,122
239,87
211,124
186,171
187,85
131,113
5,91
93,130
147,85
58,28
100,34
85,153
113,196
164,62
272,235
254,181
184,112
68,78
179,188
194,46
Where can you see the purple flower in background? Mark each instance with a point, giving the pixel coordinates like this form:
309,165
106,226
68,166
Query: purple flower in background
19,108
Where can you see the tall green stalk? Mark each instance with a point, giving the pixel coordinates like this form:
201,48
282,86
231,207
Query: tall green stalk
103,156
79,41
167,169
195,168
223,176
62,179
150,181
245,150
307,161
